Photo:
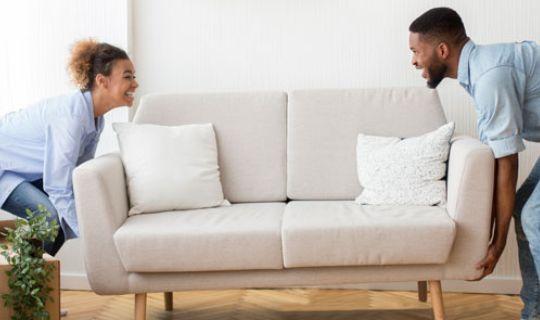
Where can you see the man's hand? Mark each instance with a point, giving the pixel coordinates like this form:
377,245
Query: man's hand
506,169
490,261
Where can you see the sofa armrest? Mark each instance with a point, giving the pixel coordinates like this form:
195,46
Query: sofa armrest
102,205
470,181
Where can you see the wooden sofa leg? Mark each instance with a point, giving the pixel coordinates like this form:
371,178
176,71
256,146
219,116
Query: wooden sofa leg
422,291
436,299
140,306
168,301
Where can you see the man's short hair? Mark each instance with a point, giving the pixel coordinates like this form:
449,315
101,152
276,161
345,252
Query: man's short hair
441,24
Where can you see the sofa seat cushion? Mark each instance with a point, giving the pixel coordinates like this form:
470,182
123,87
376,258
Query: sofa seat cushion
343,233
238,237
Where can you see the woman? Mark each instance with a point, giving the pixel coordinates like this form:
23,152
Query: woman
42,144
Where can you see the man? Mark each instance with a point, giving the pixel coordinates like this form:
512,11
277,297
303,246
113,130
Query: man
504,81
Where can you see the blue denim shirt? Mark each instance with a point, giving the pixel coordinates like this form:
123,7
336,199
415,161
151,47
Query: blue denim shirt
504,81
47,141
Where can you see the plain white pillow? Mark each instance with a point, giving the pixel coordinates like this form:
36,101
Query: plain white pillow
170,167
395,171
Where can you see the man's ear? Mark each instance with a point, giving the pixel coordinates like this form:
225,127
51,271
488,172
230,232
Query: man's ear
102,81
443,50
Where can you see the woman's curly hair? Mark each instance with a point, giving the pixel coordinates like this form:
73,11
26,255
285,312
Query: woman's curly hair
90,58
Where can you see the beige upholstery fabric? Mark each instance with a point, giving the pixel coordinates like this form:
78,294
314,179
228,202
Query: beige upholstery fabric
323,126
161,282
100,194
251,136
470,193
343,233
239,237
102,206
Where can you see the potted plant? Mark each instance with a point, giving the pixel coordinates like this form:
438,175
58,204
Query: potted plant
29,274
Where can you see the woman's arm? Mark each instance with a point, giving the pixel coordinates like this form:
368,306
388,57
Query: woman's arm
62,148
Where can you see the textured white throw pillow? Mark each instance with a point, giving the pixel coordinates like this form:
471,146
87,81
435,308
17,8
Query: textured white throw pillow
395,171
170,167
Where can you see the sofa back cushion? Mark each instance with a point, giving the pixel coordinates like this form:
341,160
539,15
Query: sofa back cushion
323,126
250,132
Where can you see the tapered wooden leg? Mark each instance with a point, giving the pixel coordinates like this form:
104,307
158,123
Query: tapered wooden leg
435,291
140,306
168,301
422,291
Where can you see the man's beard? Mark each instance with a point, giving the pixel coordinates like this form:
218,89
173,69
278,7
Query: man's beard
436,74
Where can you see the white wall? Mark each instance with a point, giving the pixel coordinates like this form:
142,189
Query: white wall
36,38
218,45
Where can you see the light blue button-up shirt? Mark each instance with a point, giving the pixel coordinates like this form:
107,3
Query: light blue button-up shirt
47,141
504,80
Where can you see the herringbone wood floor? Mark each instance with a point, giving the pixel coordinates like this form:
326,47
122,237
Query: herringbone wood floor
291,304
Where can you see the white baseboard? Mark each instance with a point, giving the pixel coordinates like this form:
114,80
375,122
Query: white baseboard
499,285
74,281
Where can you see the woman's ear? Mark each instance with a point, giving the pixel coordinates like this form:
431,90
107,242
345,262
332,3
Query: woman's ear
102,81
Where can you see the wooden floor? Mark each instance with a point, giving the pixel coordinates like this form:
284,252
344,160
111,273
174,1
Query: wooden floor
291,304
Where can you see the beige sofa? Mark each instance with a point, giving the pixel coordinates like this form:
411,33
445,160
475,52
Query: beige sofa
288,165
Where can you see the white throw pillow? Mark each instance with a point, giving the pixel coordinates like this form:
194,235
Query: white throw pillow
395,171
170,167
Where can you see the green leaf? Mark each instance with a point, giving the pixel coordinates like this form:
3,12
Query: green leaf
29,274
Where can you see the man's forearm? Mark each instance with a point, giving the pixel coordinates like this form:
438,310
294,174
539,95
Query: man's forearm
506,170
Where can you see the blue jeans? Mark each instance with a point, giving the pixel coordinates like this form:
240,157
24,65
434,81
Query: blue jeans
527,222
30,195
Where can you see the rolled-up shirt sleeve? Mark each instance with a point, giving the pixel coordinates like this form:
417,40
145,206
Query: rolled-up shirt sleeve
62,148
500,120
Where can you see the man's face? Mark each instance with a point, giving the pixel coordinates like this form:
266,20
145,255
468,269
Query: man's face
425,57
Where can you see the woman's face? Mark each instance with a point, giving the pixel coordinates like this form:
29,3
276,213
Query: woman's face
121,84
